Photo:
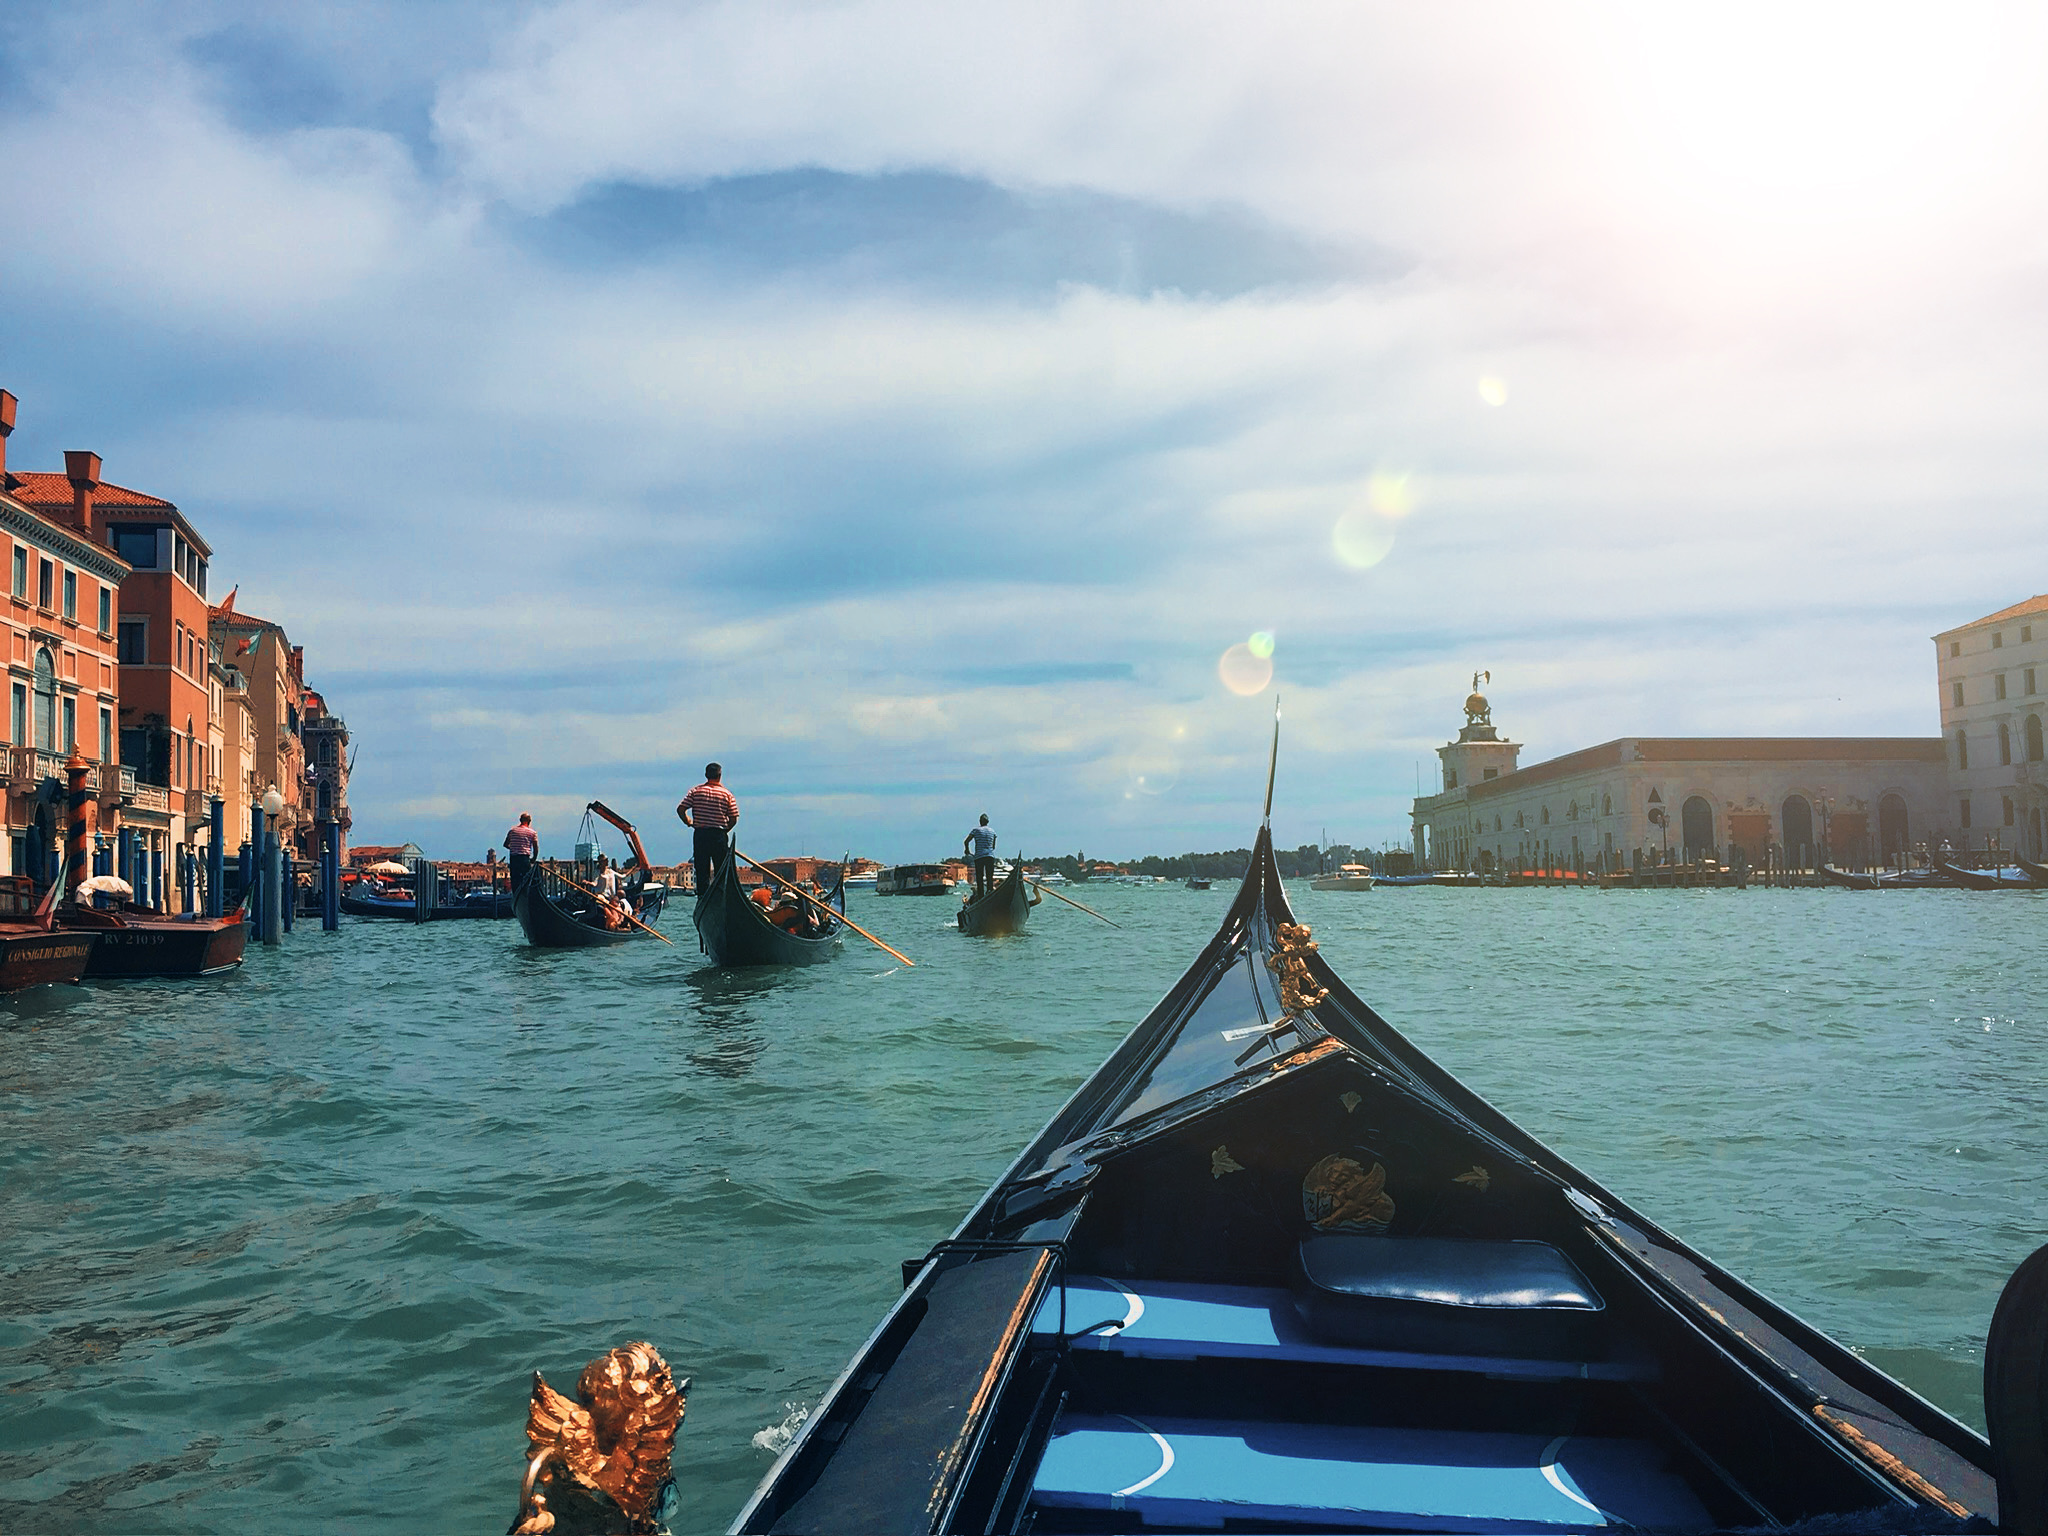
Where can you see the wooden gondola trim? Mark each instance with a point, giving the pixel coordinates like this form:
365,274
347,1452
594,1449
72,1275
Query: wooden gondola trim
1886,1462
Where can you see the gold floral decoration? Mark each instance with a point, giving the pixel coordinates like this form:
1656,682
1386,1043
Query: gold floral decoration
1292,945
1341,1195
615,1439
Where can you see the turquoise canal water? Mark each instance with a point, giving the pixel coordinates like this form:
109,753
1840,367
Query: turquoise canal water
281,1249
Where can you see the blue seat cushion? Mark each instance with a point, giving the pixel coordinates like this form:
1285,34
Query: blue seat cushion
1185,1320
1183,1474
1453,1295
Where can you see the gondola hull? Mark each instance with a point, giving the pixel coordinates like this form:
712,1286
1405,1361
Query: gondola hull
1005,909
1272,1267
2037,873
1983,879
732,930
551,923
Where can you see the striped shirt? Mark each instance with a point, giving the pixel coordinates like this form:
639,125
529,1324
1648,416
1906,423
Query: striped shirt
711,805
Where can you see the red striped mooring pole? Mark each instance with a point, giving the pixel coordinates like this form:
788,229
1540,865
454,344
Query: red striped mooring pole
78,841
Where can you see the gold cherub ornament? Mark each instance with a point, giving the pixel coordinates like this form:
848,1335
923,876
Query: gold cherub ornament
614,1442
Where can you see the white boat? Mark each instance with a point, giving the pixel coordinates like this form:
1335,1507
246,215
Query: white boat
867,880
1349,877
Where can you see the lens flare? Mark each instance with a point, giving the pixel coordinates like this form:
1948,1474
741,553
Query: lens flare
1243,673
1390,495
1363,538
1494,391
1260,645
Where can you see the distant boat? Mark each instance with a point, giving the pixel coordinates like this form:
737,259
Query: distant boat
913,880
865,880
1349,877
1199,884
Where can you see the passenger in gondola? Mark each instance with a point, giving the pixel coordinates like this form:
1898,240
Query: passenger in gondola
980,844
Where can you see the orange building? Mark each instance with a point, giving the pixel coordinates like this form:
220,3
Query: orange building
57,615
165,697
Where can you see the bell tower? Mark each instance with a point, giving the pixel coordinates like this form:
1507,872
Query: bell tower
1479,753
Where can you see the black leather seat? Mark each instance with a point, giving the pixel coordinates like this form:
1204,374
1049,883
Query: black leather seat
1448,1295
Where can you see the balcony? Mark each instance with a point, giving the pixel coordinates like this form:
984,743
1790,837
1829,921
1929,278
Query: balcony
28,765
196,803
151,797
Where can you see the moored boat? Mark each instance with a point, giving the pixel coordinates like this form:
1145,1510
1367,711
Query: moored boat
1271,1267
1349,877
733,930
2037,873
134,943
1984,879
33,951
1005,909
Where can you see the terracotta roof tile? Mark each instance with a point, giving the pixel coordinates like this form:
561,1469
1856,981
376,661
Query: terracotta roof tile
2016,611
41,489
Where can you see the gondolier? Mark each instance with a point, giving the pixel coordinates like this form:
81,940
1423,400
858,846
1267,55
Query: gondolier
980,845
523,844
711,812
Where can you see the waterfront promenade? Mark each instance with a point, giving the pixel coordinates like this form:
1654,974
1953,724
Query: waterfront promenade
288,1244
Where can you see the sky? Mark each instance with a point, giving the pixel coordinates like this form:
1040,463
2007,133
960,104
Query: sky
930,409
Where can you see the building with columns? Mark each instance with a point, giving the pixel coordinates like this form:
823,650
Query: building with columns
1992,673
1804,798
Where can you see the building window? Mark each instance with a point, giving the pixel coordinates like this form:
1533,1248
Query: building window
1962,751
19,734
2033,738
137,546
71,594
2008,810
178,645
1493,773
106,734
2026,633
1997,640
2004,745
134,646
1998,686
1450,778
106,609
2027,682
46,701
20,571
1955,647
1955,693
1546,815
70,742
46,584
1966,814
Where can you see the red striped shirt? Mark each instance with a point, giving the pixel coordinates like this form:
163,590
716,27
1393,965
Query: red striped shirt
711,805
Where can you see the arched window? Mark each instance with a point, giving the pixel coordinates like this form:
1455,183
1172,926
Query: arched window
1795,824
1696,818
1962,750
46,701
2033,738
1607,805
2004,745
1546,815
1891,825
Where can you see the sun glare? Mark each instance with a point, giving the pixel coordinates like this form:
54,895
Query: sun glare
1243,671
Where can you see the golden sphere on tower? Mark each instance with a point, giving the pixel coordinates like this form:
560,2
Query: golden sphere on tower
1476,704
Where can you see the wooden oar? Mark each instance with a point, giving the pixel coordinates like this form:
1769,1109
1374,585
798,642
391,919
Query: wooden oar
807,896
1071,902
628,916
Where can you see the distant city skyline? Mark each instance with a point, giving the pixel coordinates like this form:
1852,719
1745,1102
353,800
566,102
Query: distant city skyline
938,428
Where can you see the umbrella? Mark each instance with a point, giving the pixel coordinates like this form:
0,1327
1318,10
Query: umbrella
105,885
386,867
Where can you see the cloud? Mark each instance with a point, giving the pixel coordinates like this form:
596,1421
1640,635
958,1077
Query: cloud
911,404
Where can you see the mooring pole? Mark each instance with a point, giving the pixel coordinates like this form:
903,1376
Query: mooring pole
273,888
216,861
252,889
330,877
288,892
425,891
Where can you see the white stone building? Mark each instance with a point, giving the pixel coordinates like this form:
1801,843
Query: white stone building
1993,674
1848,799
